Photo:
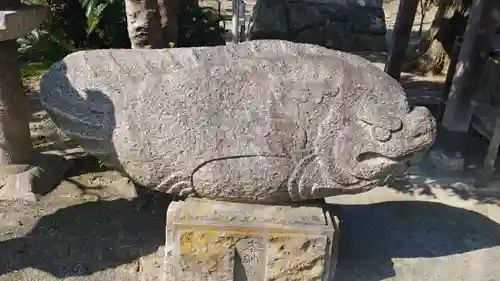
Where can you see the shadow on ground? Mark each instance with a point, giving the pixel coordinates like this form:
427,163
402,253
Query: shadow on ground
372,235
427,178
89,237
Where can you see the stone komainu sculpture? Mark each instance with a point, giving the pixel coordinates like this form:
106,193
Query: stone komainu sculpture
262,121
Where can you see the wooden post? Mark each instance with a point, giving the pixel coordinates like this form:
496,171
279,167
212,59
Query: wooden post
400,37
491,157
15,140
449,77
452,67
471,62
22,172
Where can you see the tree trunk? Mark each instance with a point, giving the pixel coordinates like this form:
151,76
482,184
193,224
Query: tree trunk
144,24
432,54
168,14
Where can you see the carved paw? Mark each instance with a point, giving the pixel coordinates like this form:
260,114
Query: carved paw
176,183
183,188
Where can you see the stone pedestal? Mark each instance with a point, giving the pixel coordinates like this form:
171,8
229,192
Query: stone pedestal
347,25
20,170
222,241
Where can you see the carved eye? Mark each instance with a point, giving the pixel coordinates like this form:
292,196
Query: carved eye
381,134
380,117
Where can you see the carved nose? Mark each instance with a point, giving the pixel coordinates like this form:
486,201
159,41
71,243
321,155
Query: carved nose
420,123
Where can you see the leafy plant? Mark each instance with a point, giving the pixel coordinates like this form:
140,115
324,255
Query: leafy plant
39,50
73,25
93,11
43,46
106,23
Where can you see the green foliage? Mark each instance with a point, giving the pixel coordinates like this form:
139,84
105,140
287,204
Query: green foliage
93,11
106,23
73,25
39,50
42,47
34,2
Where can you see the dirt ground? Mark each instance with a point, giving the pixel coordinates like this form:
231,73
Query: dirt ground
96,226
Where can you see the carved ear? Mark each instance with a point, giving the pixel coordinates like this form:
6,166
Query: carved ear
329,145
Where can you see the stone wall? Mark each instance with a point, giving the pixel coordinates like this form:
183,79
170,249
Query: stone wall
348,25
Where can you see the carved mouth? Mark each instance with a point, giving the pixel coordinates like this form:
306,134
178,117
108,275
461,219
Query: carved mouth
375,159
383,167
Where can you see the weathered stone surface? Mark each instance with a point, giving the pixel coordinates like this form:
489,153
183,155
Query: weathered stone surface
260,121
340,24
18,22
219,241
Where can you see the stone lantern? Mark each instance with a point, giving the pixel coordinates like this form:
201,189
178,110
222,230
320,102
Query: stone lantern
22,172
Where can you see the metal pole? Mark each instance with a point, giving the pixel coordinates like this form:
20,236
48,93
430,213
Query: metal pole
236,21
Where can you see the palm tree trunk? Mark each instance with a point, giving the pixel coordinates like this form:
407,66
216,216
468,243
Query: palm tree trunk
144,24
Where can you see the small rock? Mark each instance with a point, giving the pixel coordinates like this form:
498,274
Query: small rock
343,25
80,270
447,162
18,187
125,188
